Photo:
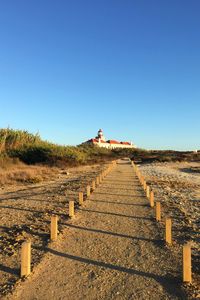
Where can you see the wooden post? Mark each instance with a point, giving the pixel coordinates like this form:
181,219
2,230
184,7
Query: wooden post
139,177
80,198
93,185
71,209
187,266
88,191
148,191
168,231
158,211
151,199
142,180
100,178
145,185
54,228
26,259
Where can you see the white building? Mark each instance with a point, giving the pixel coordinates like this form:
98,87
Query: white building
100,141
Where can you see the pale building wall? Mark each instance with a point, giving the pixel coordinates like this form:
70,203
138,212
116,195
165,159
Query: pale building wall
114,146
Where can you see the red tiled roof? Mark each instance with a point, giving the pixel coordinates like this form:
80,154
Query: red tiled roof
113,142
109,142
125,143
96,141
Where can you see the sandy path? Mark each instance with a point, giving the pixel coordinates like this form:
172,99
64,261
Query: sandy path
111,250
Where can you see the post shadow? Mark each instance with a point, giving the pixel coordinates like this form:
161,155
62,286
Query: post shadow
29,188
118,188
31,210
117,194
120,203
14,197
122,181
115,214
171,284
157,242
12,271
29,198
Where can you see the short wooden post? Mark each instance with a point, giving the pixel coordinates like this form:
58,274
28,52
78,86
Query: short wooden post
88,191
93,185
187,265
145,185
148,191
80,198
168,231
54,228
26,259
100,178
71,209
158,211
151,199
142,180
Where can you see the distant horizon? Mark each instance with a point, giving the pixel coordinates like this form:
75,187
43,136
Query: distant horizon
68,68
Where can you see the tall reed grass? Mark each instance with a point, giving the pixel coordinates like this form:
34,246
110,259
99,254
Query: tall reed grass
31,149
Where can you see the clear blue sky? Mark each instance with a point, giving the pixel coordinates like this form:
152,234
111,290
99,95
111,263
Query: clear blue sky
132,68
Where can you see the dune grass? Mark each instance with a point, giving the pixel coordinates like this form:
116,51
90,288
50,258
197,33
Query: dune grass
31,149
20,145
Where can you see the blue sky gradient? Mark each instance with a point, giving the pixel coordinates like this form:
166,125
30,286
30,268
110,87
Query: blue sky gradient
132,68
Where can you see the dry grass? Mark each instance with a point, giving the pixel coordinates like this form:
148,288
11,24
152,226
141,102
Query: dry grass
21,173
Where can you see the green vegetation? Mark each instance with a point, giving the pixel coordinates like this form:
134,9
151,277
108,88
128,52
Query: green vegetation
148,156
31,149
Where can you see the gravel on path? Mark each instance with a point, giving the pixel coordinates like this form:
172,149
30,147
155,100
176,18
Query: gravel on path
112,249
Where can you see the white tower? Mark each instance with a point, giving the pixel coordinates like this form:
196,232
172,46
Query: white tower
100,135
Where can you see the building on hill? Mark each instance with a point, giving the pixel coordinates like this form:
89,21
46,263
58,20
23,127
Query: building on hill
100,141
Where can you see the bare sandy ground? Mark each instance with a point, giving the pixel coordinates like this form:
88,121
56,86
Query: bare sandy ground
25,211
113,249
177,186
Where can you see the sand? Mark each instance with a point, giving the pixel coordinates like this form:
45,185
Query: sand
113,249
